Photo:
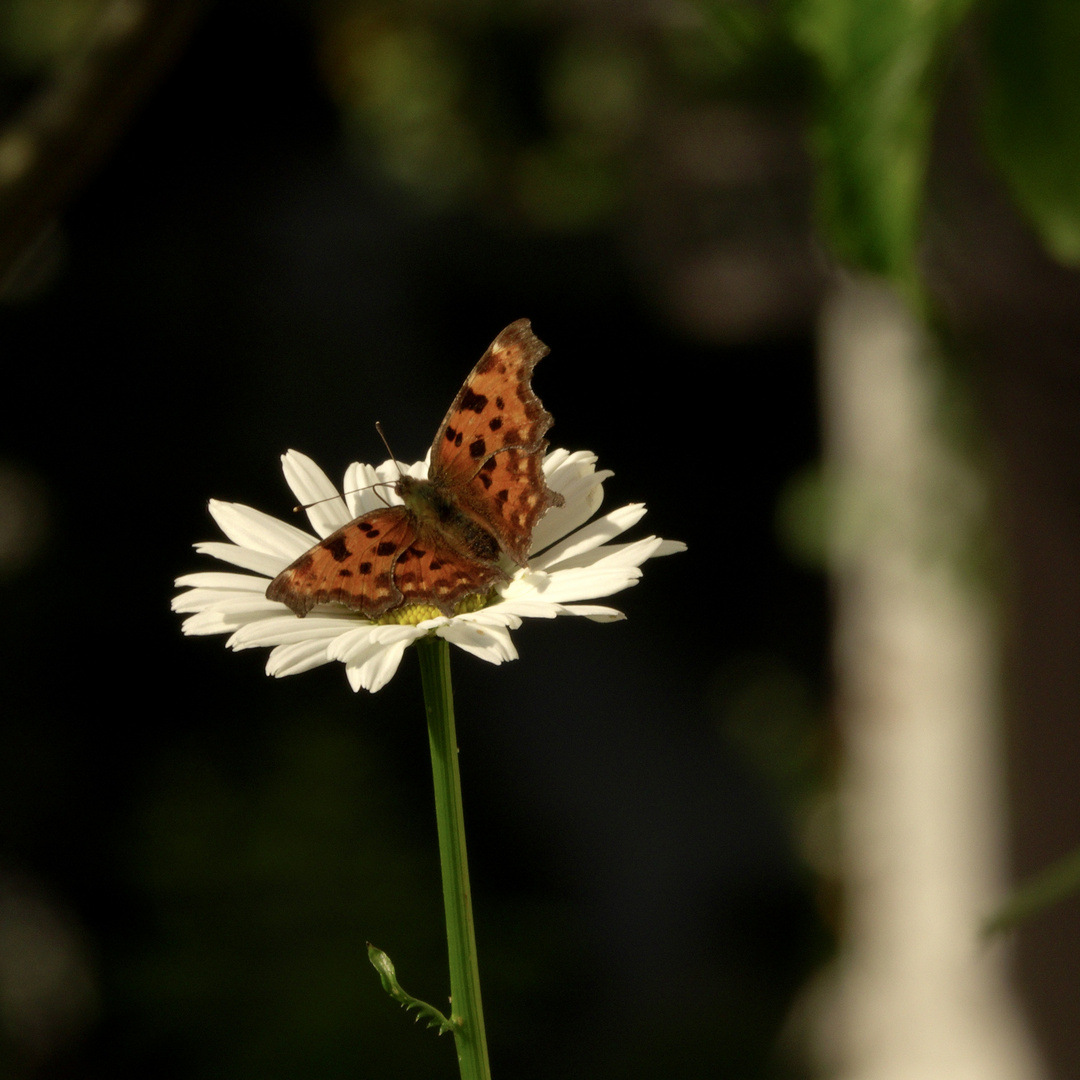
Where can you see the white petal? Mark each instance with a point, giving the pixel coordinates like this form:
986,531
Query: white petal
286,630
591,536
260,562
369,488
296,657
555,458
232,602
210,600
632,554
375,672
668,547
594,612
311,485
561,466
361,492
214,621
528,608
219,579
354,647
583,583
490,643
497,615
582,489
204,623
260,532
611,555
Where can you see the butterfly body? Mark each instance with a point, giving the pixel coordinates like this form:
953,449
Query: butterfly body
437,514
483,495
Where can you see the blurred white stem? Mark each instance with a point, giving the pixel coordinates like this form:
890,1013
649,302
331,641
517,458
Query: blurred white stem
918,995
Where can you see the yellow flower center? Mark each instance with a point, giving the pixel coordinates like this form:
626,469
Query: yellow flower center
414,614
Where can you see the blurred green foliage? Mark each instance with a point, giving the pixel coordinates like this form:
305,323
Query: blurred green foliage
1032,113
36,34
537,113
540,113
881,69
878,64
467,103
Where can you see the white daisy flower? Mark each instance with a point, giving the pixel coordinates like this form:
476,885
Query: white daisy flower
572,561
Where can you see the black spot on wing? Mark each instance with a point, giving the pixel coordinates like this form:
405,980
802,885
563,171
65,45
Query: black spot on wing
471,401
339,550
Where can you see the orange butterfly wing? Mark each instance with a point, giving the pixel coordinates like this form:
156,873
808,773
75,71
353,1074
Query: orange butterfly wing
484,493
354,566
430,572
379,562
488,453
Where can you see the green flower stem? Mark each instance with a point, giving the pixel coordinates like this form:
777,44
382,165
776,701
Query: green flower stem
466,1012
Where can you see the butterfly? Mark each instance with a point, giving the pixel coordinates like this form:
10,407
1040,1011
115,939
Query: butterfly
484,493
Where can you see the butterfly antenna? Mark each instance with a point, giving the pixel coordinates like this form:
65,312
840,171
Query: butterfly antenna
378,483
378,428
307,506
351,491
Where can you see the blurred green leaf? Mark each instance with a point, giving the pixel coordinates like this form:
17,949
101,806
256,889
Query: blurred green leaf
877,65
1032,113
1053,885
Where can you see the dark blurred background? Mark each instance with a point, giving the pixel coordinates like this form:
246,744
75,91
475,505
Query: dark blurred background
268,225
287,239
